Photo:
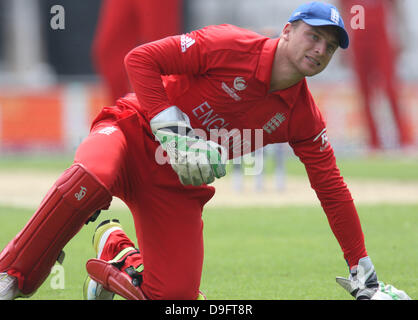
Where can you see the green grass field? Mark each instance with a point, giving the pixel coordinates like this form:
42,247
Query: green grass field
261,252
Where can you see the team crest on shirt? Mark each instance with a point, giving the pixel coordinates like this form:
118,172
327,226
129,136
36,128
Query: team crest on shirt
274,123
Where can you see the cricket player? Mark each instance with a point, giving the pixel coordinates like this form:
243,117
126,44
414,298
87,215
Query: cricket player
123,25
231,86
374,56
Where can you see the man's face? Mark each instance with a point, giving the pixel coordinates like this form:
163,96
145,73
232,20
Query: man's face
310,49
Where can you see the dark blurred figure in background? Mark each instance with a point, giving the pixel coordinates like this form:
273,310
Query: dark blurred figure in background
124,25
375,49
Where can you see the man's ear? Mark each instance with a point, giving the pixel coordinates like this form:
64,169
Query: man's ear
286,31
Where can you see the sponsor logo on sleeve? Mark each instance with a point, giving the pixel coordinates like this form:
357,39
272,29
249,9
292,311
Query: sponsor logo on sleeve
324,140
108,130
186,42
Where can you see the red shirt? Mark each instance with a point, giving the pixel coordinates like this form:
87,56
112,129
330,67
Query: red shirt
220,77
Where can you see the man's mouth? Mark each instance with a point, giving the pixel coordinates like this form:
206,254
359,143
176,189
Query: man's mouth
314,61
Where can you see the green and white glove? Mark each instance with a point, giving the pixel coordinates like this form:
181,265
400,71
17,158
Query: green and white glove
362,284
195,160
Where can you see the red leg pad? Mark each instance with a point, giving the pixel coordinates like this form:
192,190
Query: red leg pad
74,197
113,279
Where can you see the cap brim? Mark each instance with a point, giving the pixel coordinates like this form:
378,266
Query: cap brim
343,35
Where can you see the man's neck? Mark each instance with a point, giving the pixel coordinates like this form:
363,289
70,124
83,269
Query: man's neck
283,74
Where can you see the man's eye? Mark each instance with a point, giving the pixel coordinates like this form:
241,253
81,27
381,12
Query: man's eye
315,37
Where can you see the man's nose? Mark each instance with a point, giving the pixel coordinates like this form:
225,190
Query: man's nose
321,48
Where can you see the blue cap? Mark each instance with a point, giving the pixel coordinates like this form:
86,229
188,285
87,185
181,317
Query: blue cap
322,14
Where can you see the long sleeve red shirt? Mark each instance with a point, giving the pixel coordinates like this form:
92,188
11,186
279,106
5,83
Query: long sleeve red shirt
220,77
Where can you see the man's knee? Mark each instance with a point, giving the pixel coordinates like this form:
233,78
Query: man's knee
172,290
102,153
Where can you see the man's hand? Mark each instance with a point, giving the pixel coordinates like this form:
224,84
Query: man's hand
362,284
195,160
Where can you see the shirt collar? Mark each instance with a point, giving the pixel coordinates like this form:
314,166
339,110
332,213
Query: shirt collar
264,69
263,72
291,94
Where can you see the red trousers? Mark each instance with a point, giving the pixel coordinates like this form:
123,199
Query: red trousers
374,61
124,25
120,151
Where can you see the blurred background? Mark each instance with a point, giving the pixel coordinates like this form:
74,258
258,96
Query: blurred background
60,62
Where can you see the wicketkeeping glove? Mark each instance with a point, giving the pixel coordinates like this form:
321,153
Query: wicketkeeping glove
195,160
362,284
